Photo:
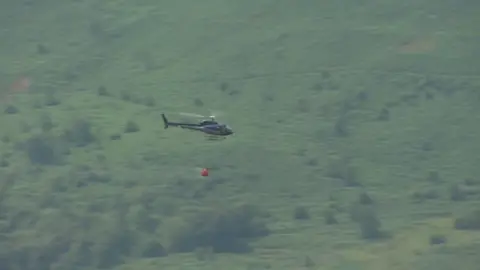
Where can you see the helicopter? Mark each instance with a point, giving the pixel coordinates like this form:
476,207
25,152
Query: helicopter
208,125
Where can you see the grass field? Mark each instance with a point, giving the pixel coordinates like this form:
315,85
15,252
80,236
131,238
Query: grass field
356,133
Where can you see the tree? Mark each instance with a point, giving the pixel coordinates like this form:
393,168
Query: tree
224,230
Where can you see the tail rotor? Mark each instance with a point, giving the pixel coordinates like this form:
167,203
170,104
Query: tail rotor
165,121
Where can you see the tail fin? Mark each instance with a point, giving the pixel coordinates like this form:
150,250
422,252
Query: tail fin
165,121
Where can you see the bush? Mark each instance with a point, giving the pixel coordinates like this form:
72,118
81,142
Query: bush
102,91
46,123
368,222
370,227
456,193
437,239
364,198
434,177
204,254
470,221
82,253
42,49
43,150
471,182
131,127
149,101
198,102
153,249
225,231
424,195
309,263
329,216
342,169
51,100
10,109
125,96
80,133
301,212
4,162
144,220
83,176
340,128
115,245
383,115
39,256
116,137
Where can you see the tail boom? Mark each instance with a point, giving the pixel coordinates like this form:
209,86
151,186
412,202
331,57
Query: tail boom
167,123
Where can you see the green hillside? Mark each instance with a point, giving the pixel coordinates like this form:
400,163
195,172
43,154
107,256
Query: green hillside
356,135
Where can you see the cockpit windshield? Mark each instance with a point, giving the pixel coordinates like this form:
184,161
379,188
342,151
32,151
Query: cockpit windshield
228,129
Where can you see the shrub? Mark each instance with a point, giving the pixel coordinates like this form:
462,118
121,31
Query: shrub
198,102
204,254
10,109
150,102
434,177
342,169
223,230
370,227
368,222
144,221
471,182
153,249
38,256
42,49
340,128
301,212
224,86
131,127
43,150
80,133
102,91
456,193
364,198
470,221
46,123
329,216
83,256
116,137
117,244
437,239
308,263
51,100
424,195
384,115
83,175
125,96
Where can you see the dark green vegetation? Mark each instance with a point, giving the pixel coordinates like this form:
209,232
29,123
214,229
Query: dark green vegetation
357,135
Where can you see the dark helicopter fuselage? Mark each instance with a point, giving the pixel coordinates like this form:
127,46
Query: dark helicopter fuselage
210,127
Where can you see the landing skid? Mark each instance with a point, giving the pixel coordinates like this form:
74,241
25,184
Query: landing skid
215,138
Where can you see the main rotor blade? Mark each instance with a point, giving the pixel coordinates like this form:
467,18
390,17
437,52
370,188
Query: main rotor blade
213,114
216,113
192,115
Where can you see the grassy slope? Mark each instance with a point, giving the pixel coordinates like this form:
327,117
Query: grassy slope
273,55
